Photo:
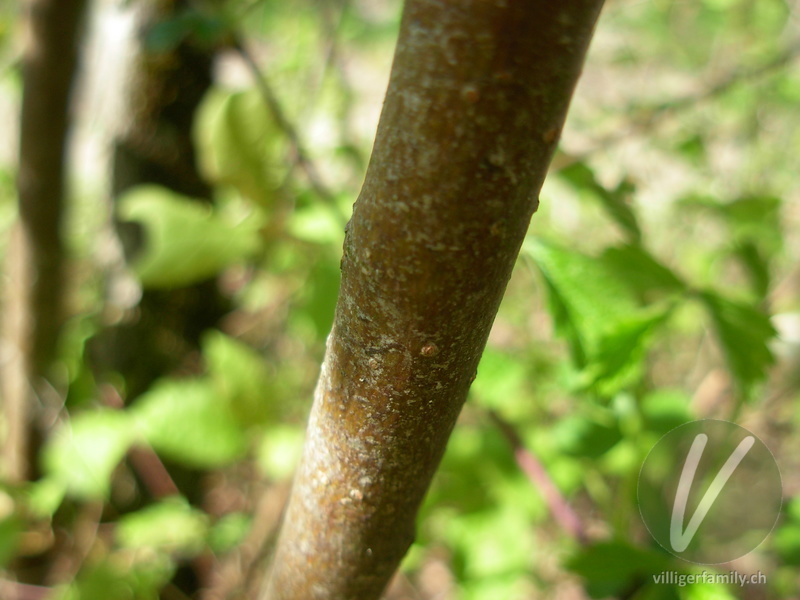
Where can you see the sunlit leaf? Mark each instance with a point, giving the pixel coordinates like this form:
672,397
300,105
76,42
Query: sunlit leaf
239,145
86,450
188,422
279,451
229,531
170,525
585,297
240,377
186,241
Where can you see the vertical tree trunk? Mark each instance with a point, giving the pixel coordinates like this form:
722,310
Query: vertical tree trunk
33,299
156,146
478,95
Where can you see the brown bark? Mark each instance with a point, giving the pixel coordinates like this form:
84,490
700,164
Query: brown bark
33,299
478,95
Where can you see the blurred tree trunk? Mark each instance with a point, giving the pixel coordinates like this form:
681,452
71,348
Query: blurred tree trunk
33,302
478,95
155,146
161,333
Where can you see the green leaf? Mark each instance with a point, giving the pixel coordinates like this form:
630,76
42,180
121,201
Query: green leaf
621,351
786,541
493,543
584,296
119,578
318,304
640,270
757,266
240,377
702,590
171,525
744,333
11,530
664,409
229,532
84,452
279,451
188,422
238,144
45,496
615,202
586,437
611,568
501,379
186,241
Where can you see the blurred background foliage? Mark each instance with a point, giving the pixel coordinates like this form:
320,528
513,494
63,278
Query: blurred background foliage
659,284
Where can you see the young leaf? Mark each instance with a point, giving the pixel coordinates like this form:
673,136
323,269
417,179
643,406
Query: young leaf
744,333
186,242
239,376
84,452
188,422
170,526
238,144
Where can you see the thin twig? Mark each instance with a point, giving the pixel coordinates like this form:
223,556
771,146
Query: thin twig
649,117
302,159
537,474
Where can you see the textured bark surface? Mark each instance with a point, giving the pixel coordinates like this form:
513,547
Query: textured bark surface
33,299
478,95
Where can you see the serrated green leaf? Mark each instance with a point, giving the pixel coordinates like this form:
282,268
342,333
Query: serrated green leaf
585,297
640,269
619,359
186,241
85,451
239,376
744,333
188,422
757,266
170,526
615,202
